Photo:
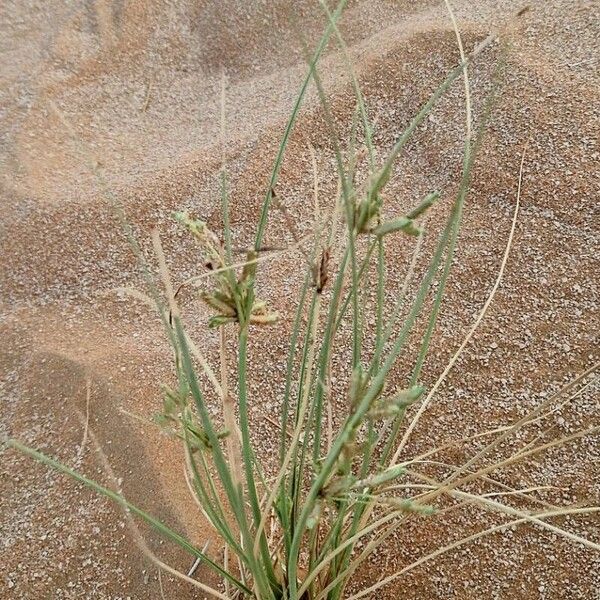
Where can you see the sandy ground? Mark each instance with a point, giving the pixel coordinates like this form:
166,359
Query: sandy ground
136,85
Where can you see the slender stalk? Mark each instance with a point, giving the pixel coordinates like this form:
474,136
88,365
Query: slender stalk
475,325
165,531
249,459
303,406
262,223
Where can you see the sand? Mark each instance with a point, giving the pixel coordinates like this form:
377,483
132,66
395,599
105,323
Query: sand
120,100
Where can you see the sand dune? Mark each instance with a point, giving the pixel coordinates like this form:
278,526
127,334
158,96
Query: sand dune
109,101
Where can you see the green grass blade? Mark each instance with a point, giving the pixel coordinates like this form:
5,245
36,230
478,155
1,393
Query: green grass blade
159,526
233,494
262,223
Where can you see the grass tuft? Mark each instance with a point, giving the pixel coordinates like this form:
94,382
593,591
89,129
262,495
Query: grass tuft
339,491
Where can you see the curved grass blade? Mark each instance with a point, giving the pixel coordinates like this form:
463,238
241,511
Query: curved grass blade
165,531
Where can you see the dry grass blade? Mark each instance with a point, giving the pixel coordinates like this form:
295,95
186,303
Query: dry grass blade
508,490
485,501
463,59
475,325
233,440
467,540
447,487
88,396
528,418
137,536
141,542
164,273
452,481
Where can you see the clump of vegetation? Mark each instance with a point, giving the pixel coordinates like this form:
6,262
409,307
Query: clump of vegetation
338,494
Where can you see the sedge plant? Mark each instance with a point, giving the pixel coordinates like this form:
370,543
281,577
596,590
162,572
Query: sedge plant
340,488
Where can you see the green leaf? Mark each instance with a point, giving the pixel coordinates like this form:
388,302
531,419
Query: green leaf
425,205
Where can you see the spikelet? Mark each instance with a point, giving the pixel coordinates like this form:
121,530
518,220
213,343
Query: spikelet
231,297
395,405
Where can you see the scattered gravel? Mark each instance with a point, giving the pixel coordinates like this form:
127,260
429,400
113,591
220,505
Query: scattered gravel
138,83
